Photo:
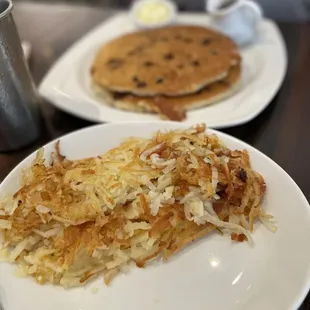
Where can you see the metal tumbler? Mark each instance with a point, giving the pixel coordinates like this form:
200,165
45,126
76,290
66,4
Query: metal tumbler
19,112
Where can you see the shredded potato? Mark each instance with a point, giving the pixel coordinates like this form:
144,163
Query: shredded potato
72,221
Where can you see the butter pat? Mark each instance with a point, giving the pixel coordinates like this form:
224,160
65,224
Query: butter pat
153,13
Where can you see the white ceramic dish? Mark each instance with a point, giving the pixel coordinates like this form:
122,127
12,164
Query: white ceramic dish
212,273
68,85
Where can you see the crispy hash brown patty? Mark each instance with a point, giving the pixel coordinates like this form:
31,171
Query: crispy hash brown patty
73,220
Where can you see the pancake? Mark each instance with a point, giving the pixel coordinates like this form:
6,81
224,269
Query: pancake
170,61
174,108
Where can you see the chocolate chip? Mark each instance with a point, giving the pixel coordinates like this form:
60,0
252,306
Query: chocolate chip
214,52
149,64
242,175
180,66
141,84
187,40
178,37
113,60
115,63
163,39
136,50
206,41
196,63
135,78
169,56
159,80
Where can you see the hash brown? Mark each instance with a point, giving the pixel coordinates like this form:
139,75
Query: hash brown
73,220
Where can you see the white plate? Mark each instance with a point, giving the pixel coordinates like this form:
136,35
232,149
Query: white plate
68,85
213,273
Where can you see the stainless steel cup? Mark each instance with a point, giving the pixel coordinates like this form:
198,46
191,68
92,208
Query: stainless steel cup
19,117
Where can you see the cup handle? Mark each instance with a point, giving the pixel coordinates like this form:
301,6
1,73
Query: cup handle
256,13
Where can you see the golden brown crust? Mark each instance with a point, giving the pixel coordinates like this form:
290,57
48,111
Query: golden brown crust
144,199
170,61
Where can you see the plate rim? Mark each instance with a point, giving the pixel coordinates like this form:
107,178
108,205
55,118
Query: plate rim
65,103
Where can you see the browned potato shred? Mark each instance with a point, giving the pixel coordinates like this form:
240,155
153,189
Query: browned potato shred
73,220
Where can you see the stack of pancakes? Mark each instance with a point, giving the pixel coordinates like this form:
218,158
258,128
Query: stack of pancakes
167,71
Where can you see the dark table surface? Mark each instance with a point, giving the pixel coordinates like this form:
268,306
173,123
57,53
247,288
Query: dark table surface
281,131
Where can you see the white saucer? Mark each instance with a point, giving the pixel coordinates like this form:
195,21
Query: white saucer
68,85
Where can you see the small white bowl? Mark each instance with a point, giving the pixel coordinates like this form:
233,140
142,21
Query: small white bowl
153,13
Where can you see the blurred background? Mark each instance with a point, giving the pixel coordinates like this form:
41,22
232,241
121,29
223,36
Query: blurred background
281,10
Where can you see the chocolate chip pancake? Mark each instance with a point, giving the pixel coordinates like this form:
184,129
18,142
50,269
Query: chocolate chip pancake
170,61
174,108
